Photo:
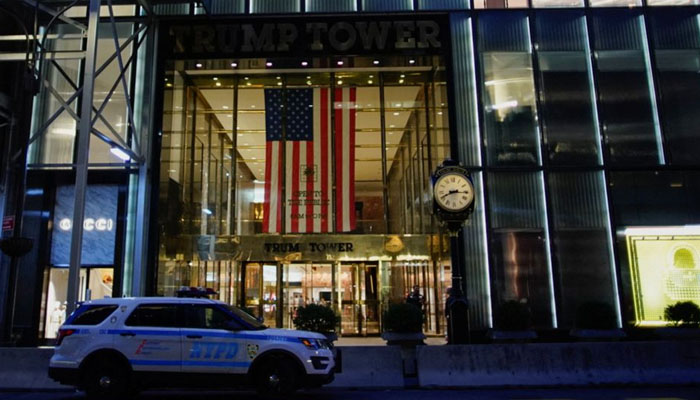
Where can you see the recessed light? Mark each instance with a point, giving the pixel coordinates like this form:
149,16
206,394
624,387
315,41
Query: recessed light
167,84
248,84
252,106
400,80
198,65
308,82
375,62
403,76
369,82
246,78
398,104
218,83
340,82
411,61
234,65
215,78
392,126
304,63
279,83
279,77
340,63
224,107
396,114
269,64
440,113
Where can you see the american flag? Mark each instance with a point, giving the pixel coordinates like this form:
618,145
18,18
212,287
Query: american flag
303,163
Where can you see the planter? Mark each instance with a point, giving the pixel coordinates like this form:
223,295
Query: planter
523,336
598,335
403,338
678,333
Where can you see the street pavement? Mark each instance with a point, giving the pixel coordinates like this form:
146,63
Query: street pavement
624,393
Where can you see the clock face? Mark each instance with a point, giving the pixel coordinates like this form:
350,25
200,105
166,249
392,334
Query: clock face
453,192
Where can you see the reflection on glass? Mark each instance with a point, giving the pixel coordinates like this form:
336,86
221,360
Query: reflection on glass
626,102
615,3
305,284
677,51
501,4
567,109
508,89
520,263
582,255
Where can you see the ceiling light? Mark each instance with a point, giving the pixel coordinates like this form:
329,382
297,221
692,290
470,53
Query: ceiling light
224,107
340,63
400,80
215,78
440,113
207,211
248,84
369,82
246,78
411,61
403,76
304,63
308,82
279,77
269,64
375,62
234,65
121,154
396,114
218,83
169,84
252,106
392,126
198,65
279,83
340,82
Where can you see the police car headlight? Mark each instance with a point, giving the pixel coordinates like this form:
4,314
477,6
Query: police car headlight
311,344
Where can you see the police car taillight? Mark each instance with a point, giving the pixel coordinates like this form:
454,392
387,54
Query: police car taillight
63,333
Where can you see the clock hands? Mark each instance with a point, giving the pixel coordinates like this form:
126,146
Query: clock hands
451,192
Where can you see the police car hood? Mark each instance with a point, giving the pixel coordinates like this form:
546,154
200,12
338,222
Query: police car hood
289,333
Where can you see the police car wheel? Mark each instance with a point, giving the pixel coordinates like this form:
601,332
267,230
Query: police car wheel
106,380
277,376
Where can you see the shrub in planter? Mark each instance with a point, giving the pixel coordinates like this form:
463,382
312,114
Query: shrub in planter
403,318
595,315
513,316
316,318
685,314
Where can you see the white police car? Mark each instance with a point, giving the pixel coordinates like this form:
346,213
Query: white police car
113,347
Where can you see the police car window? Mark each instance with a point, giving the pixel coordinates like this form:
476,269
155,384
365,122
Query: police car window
93,314
160,315
207,317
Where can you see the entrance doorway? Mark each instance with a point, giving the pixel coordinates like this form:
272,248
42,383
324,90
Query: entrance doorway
359,302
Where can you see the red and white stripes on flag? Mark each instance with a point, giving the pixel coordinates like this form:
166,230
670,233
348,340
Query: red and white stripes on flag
315,143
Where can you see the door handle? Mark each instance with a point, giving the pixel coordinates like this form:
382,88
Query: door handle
127,334
194,336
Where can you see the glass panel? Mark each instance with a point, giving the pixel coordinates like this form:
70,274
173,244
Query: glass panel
676,38
557,3
465,108
269,297
115,122
305,284
252,282
501,4
655,198
626,99
581,242
568,115
443,4
331,6
520,269
508,89
227,6
273,6
672,2
55,145
387,5
615,3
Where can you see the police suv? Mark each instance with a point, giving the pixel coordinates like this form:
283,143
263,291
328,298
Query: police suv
114,347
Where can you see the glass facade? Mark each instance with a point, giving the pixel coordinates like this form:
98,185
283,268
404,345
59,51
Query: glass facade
575,118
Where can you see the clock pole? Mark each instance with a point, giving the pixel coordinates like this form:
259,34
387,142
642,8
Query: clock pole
450,179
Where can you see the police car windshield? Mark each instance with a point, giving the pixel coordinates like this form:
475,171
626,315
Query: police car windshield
247,318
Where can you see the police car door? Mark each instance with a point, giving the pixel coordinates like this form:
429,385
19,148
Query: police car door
150,338
210,343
